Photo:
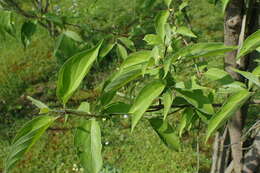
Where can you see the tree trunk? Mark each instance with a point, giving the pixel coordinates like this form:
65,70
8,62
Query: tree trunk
232,28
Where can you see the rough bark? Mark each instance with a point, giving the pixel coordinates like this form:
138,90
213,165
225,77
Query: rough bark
232,28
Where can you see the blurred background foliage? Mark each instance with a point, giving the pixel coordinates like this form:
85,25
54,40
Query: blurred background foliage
32,71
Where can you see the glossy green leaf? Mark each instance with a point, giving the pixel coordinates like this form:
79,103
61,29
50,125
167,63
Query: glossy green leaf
224,5
160,22
121,51
117,108
166,133
123,77
73,72
26,138
197,99
144,99
88,143
43,107
167,101
204,50
136,58
250,44
27,31
185,31
186,119
219,75
233,103
153,39
250,76
128,43
73,35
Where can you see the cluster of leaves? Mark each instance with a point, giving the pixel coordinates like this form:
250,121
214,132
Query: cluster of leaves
163,93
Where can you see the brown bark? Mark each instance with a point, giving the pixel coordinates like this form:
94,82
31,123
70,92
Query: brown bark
232,28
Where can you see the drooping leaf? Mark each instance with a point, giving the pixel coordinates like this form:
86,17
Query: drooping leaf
136,58
117,108
197,99
250,44
160,22
153,39
73,72
26,138
166,133
167,100
123,77
183,30
27,31
233,103
105,49
128,43
43,107
250,76
144,99
121,51
183,5
73,35
88,143
219,75
186,119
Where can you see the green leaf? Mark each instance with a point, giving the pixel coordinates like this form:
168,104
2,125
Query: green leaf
73,72
54,18
65,47
27,31
73,35
197,99
153,39
233,103
168,3
204,50
88,143
117,108
183,5
43,107
26,138
186,119
105,49
84,107
123,77
183,30
224,5
136,58
121,51
7,23
219,75
144,99
250,44
166,133
167,100
128,43
250,76
160,22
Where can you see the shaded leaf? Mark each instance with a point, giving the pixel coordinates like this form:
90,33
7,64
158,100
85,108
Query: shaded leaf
167,101
186,119
153,39
250,76
73,35
27,31
43,107
224,5
166,133
117,108
128,43
219,75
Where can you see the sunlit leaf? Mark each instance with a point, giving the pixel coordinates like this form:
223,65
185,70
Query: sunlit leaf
26,138
185,31
88,143
128,43
73,72
250,76
219,75
233,103
168,97
186,119
121,51
160,22
136,58
117,108
73,35
224,5
43,107
144,99
153,39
